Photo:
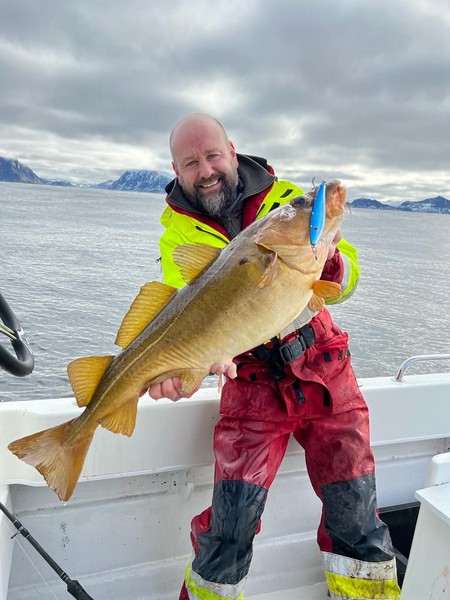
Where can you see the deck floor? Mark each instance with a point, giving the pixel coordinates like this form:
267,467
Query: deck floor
310,592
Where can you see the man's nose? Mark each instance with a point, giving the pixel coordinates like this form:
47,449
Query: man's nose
205,169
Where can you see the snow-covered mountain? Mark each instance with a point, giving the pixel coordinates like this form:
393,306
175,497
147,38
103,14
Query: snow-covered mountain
13,171
439,204
370,203
139,181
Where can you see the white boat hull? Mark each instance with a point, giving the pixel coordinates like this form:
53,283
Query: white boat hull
125,532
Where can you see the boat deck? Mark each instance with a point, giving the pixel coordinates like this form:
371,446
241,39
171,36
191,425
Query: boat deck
309,592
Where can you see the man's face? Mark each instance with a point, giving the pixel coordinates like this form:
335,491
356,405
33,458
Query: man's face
206,166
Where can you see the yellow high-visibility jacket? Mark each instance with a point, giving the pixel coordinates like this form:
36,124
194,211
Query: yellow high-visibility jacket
262,193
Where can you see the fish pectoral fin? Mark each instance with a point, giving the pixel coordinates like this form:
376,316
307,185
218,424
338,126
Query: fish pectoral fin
122,420
151,299
271,271
316,303
84,375
194,259
326,289
323,289
296,256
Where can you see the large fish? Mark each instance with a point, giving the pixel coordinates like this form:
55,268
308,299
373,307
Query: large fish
236,299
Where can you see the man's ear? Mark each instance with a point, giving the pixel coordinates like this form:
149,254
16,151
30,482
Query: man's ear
233,153
174,167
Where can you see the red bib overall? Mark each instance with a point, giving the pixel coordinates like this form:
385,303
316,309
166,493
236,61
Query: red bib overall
317,400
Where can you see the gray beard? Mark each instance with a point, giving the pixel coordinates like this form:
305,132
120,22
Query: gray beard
215,206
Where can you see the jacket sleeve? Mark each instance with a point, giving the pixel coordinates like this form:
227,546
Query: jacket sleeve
170,271
180,230
168,241
343,268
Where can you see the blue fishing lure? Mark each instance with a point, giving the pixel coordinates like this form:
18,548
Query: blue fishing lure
317,220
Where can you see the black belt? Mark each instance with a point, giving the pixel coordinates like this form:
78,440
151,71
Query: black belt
278,355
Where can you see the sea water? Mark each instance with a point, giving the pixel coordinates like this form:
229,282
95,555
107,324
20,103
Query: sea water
73,259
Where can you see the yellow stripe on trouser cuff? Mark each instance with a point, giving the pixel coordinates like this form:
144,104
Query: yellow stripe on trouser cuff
352,578
341,586
200,589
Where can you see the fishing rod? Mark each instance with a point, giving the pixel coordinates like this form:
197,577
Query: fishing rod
73,586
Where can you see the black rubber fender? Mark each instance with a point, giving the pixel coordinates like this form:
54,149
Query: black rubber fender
21,362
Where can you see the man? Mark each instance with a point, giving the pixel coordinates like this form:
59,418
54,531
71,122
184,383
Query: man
302,385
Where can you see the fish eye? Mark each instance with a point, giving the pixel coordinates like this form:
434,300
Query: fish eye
300,202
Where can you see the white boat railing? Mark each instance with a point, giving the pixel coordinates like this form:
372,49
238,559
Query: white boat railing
419,358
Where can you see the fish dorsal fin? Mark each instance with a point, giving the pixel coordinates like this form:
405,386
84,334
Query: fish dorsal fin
151,299
323,289
84,375
123,419
194,259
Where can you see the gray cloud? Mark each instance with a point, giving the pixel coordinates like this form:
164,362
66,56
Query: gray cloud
355,90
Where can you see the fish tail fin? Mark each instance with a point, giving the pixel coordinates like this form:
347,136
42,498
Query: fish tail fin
58,462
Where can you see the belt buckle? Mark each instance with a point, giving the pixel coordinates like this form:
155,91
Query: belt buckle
291,350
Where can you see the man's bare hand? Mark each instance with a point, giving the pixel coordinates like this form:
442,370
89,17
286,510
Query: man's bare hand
172,388
332,249
169,388
228,369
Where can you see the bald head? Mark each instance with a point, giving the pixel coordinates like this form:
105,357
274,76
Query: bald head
195,125
205,161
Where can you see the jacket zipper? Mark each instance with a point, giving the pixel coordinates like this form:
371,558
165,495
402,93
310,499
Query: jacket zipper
219,237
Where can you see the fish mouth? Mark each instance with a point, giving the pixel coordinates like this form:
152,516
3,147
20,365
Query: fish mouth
336,198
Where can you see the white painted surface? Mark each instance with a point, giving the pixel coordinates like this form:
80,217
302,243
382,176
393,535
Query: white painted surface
125,532
439,470
173,436
428,572
310,592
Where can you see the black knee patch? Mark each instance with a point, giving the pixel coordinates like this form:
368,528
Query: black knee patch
351,520
226,549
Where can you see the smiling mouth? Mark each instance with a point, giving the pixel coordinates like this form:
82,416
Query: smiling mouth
209,184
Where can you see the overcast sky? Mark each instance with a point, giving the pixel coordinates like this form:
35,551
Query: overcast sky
353,89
